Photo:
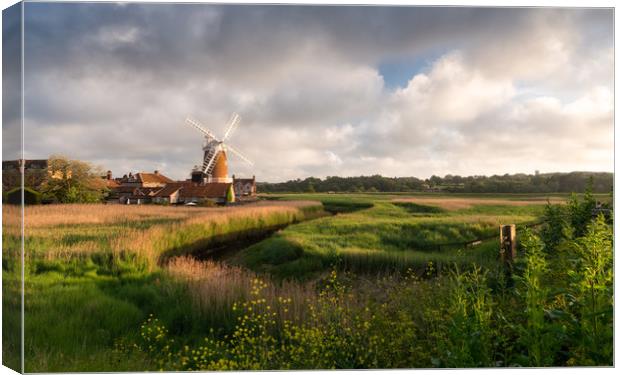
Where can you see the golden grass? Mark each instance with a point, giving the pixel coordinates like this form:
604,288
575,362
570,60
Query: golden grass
452,204
73,231
214,288
72,214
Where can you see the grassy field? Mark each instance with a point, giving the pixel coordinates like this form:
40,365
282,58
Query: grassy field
94,272
385,281
387,232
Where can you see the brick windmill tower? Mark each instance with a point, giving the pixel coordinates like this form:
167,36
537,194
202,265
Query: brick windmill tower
214,162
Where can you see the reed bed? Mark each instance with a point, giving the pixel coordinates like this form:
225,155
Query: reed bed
140,233
452,204
215,287
80,214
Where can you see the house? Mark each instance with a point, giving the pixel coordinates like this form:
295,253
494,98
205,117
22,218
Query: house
135,189
121,194
145,180
129,180
168,194
244,187
153,180
136,195
110,183
214,191
186,192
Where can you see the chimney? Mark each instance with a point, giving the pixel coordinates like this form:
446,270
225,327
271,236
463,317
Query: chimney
109,175
156,172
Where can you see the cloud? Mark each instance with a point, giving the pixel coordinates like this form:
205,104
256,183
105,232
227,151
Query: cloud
502,89
114,37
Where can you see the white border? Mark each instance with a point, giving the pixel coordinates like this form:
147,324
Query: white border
483,3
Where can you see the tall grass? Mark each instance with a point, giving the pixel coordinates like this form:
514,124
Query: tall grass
452,203
388,236
141,234
373,297
457,320
465,318
215,287
86,260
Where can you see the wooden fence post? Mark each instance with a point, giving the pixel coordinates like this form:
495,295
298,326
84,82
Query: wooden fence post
508,243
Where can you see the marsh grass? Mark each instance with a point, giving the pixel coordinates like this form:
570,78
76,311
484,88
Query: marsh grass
372,296
94,271
215,287
388,236
452,203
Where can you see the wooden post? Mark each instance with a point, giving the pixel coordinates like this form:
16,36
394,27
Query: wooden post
508,243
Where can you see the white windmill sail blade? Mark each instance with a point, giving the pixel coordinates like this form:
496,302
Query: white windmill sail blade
207,166
198,126
240,155
232,125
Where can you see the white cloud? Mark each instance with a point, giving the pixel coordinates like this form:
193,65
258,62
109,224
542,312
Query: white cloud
514,90
112,37
452,92
333,158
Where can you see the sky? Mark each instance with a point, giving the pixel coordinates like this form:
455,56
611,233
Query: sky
322,90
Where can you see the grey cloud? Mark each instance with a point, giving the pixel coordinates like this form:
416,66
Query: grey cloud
11,82
120,81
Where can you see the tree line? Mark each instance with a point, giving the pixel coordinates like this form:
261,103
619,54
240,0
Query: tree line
602,182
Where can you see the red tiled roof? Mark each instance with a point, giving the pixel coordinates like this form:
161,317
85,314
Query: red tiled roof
210,190
153,178
169,189
149,191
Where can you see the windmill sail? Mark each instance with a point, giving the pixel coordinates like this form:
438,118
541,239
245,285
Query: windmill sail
214,149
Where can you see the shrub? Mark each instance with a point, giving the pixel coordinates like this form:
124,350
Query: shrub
592,288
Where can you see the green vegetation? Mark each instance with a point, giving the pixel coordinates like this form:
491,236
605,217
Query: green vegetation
94,272
385,282
14,196
72,181
386,237
517,183
478,317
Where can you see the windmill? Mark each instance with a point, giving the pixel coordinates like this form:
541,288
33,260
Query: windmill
214,162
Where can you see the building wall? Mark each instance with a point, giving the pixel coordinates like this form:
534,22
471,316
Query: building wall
245,188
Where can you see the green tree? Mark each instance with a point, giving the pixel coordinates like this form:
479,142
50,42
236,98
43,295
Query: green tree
73,181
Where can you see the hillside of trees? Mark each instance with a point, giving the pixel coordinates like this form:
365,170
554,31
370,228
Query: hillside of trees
516,183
